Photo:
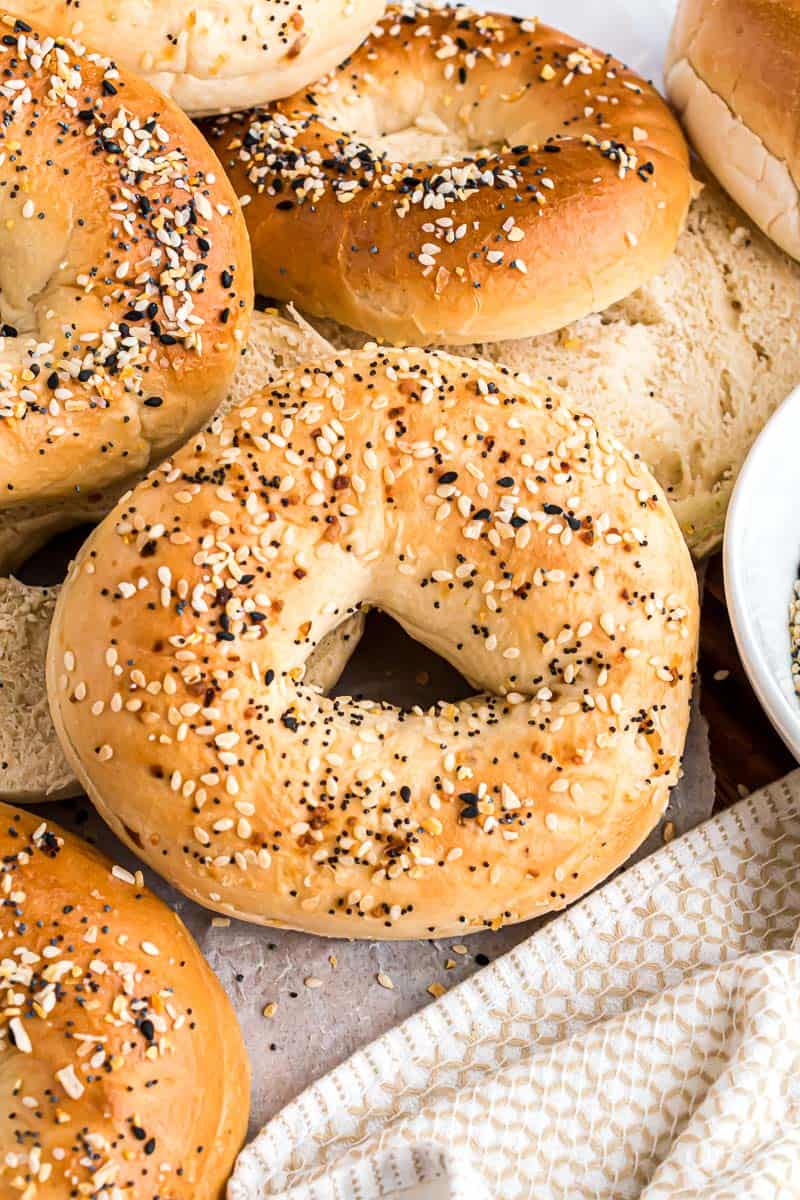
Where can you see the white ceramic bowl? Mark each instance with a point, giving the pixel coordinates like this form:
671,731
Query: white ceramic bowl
761,558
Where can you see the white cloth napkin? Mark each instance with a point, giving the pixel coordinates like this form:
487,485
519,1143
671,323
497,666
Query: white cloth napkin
645,1043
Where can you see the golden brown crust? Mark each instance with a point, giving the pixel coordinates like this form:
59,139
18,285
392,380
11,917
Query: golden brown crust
124,271
528,549
748,52
460,178
122,1061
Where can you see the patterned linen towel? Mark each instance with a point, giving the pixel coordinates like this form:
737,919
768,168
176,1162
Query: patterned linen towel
645,1043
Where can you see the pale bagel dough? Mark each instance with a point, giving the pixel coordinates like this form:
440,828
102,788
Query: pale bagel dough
32,766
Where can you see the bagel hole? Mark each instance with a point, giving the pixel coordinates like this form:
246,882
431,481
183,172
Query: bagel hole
388,665
48,565
417,129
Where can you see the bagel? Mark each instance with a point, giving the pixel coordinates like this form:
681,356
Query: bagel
525,547
124,1072
460,178
32,765
733,73
687,369
214,57
125,280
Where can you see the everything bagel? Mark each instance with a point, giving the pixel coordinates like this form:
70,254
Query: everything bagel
125,282
460,177
216,56
509,535
122,1069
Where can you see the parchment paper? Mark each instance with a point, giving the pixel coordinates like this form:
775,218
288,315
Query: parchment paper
314,1027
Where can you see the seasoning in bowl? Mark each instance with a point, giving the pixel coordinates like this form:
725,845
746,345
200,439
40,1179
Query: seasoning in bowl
794,634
